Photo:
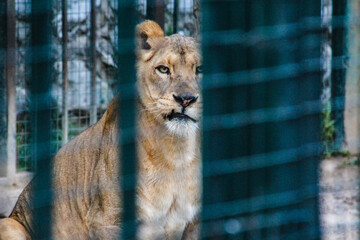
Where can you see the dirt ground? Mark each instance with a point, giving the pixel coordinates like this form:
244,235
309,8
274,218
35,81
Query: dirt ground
339,198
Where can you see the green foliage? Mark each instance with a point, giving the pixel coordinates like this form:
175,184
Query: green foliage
327,130
352,162
328,125
169,30
328,134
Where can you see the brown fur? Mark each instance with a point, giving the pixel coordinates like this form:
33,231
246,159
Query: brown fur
87,198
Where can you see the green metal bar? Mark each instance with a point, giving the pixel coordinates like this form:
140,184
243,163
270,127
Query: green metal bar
40,97
217,58
127,111
175,16
10,68
150,9
65,72
309,89
93,28
256,125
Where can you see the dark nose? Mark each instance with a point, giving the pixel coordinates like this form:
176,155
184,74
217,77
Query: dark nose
185,99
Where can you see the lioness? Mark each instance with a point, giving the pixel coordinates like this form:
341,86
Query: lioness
87,199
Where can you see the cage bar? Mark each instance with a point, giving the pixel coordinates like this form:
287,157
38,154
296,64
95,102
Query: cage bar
127,110
93,107
266,192
65,73
175,16
41,100
11,87
3,109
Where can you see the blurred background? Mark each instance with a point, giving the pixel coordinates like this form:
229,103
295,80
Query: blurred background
281,103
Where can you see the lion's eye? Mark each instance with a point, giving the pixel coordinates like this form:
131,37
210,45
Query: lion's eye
198,69
163,69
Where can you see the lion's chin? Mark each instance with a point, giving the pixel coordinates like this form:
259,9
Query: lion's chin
181,127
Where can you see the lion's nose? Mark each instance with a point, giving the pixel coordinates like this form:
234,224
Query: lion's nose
186,99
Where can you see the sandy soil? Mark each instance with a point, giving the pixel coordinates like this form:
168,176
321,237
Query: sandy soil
339,198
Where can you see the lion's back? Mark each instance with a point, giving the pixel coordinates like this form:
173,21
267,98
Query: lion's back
83,171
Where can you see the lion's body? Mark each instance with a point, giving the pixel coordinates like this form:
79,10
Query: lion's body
87,197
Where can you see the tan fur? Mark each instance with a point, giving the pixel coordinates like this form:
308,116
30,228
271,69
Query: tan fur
12,230
87,198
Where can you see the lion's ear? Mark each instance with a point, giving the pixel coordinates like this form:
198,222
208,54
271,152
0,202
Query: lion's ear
148,34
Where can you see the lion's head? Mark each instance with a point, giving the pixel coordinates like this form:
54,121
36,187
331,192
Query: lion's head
169,74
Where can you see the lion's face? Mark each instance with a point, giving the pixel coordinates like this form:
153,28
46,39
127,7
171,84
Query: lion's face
169,75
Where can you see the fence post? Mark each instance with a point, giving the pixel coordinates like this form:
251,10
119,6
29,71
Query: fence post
3,127
93,108
65,76
41,104
175,16
11,87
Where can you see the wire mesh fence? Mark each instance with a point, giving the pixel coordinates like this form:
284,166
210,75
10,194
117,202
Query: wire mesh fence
91,64
275,99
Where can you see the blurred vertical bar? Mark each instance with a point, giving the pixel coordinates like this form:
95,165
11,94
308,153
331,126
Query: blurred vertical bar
127,111
150,9
219,18
93,111
301,133
257,93
3,131
308,125
10,66
40,98
249,39
65,76
175,16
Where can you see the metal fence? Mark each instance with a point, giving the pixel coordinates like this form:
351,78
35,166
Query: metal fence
84,68
266,123
261,119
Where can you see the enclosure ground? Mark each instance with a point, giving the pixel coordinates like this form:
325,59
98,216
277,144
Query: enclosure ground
339,198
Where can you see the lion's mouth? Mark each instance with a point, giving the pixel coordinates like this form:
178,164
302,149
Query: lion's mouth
176,115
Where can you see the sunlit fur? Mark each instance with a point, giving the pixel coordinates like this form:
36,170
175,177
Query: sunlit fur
181,55
169,166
